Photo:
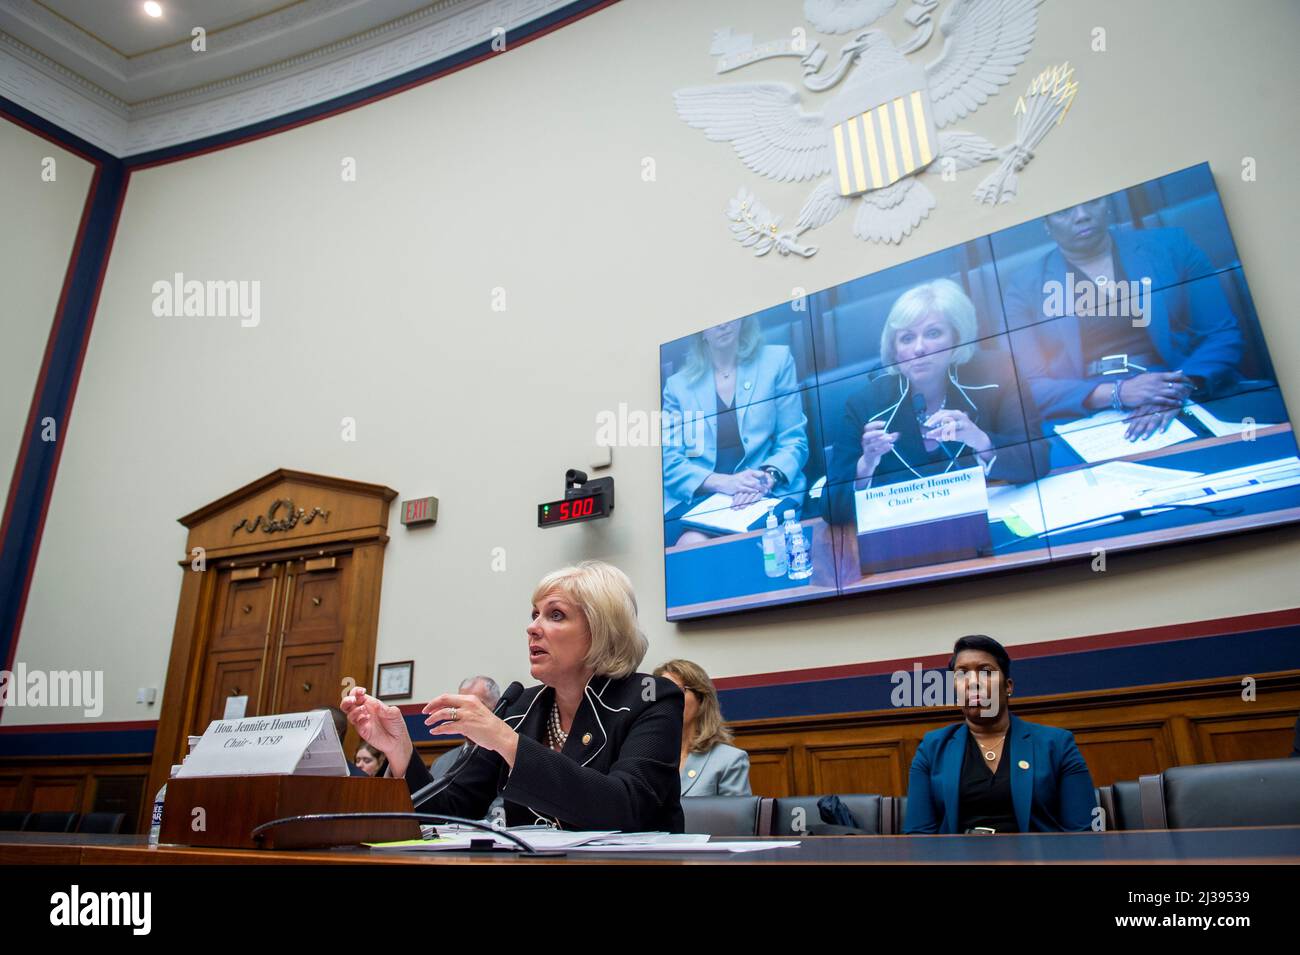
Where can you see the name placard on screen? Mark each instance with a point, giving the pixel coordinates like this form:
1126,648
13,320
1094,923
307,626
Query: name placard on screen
934,498
301,744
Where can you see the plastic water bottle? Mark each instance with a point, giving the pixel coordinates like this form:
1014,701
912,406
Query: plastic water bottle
774,548
155,826
800,562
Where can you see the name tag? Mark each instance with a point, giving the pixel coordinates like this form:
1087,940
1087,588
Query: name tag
298,744
936,498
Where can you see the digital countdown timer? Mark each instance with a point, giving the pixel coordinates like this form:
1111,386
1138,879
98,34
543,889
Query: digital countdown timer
573,510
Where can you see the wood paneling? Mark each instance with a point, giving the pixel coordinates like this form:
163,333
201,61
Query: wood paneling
1122,734
76,784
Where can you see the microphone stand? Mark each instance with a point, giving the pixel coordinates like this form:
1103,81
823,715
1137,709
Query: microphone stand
526,848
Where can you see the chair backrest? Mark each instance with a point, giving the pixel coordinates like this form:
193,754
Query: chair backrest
110,822
1126,806
13,821
1105,798
52,822
722,815
894,814
796,815
1262,792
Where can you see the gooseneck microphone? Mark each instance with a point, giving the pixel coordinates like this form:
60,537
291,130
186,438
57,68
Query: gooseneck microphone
918,410
425,793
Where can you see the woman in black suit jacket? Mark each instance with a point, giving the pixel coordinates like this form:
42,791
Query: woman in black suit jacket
939,404
595,746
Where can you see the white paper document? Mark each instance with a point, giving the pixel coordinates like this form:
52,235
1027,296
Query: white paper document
1100,437
299,744
453,838
1216,426
715,513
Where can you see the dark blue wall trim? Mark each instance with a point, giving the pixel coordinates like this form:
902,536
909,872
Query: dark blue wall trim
1202,658
38,459
87,743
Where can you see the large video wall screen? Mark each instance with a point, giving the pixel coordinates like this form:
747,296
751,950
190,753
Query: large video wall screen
1094,379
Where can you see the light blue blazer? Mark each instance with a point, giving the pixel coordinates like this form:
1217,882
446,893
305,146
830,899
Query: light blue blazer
722,771
1051,787
773,430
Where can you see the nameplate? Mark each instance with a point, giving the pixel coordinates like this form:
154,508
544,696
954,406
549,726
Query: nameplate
297,744
939,497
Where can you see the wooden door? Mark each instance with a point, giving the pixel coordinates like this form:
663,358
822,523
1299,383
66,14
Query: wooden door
278,633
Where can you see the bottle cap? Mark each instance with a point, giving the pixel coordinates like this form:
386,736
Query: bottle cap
771,519
789,515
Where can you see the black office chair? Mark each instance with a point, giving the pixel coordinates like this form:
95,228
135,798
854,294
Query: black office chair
798,815
899,813
1126,806
1261,792
13,821
102,822
51,822
723,815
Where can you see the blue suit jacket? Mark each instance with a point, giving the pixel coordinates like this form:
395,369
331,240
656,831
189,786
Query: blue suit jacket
1050,783
722,771
773,430
1191,323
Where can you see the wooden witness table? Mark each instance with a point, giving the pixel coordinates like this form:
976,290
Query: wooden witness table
1246,846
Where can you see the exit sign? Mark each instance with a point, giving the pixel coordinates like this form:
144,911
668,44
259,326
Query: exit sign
421,510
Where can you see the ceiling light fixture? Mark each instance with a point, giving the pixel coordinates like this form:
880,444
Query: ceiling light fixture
152,8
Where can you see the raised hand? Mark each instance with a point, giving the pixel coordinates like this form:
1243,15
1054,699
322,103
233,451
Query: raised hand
380,725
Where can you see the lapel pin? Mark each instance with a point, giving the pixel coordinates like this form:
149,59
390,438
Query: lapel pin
690,773
586,739
1024,764
748,385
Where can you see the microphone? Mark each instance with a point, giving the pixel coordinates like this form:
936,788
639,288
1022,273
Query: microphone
918,409
512,693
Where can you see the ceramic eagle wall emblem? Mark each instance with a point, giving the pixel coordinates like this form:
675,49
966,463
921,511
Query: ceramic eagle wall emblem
889,121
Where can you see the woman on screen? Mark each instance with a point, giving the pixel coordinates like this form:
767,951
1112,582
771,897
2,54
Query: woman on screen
710,765
593,746
745,433
993,772
939,404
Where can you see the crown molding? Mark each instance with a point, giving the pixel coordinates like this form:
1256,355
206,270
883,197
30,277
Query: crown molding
74,103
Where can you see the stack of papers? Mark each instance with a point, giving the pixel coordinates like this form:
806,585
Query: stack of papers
715,513
452,838
1100,437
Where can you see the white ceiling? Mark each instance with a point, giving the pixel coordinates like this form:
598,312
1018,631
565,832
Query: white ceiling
138,59
130,84
123,26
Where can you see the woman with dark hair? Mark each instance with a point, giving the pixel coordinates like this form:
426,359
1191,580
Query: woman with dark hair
993,772
710,765
371,760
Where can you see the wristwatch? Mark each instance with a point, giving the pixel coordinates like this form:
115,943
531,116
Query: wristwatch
1116,401
773,473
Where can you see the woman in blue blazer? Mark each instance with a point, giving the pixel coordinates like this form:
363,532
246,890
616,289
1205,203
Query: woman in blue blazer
734,421
710,765
993,772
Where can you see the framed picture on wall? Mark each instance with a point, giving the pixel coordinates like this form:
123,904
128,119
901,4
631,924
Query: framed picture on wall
394,680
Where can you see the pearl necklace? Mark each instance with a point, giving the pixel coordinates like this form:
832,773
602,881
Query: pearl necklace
555,735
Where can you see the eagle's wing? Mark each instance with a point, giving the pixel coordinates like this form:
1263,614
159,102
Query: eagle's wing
966,150
844,16
822,206
891,213
764,124
984,42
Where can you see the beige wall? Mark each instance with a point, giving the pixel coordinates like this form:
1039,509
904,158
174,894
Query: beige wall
525,173
40,221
